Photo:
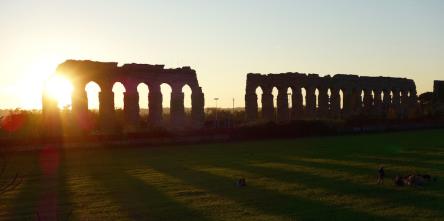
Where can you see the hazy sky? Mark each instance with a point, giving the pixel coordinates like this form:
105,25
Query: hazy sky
222,40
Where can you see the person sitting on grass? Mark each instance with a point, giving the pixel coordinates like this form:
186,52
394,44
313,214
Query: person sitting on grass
381,174
241,182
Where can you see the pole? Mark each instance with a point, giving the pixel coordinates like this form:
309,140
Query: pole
233,105
232,115
216,99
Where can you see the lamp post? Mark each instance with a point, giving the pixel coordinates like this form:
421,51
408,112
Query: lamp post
233,105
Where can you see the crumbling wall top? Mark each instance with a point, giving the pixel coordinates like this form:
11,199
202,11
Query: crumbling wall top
338,81
83,71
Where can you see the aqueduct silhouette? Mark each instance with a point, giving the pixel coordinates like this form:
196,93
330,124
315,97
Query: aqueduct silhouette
105,74
340,96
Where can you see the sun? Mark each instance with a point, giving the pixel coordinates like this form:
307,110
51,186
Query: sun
59,89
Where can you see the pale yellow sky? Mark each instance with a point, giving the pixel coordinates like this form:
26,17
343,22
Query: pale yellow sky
222,41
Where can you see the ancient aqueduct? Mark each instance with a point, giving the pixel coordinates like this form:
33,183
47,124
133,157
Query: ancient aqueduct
105,74
312,96
340,96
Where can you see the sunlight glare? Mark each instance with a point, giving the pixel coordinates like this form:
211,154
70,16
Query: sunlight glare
60,89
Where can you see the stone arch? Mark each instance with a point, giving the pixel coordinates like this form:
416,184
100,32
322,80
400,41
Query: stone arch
334,106
341,99
403,96
304,98
130,75
267,102
387,100
329,94
187,102
166,90
274,93
383,96
282,103
317,98
391,95
92,93
361,98
397,94
289,96
355,104
252,101
341,95
118,89
259,93
296,102
143,91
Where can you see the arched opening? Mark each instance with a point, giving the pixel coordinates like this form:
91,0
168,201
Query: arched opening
186,90
329,99
399,95
275,93
317,98
143,91
341,99
118,90
92,92
166,98
289,97
403,95
373,98
259,93
304,97
391,97
362,100
383,96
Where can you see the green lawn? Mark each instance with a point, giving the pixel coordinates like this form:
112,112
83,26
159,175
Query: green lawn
303,179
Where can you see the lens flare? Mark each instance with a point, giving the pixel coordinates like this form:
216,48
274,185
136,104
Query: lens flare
60,89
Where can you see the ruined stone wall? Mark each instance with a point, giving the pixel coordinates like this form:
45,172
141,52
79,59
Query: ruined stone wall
105,74
338,96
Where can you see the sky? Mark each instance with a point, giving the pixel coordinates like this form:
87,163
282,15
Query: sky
221,40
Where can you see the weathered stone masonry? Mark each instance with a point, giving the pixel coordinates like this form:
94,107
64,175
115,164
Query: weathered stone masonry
340,96
105,74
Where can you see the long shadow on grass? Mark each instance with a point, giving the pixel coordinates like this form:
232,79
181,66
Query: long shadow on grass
341,187
24,205
65,205
141,201
267,201
44,192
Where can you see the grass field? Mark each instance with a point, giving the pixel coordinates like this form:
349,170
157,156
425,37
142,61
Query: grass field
330,178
